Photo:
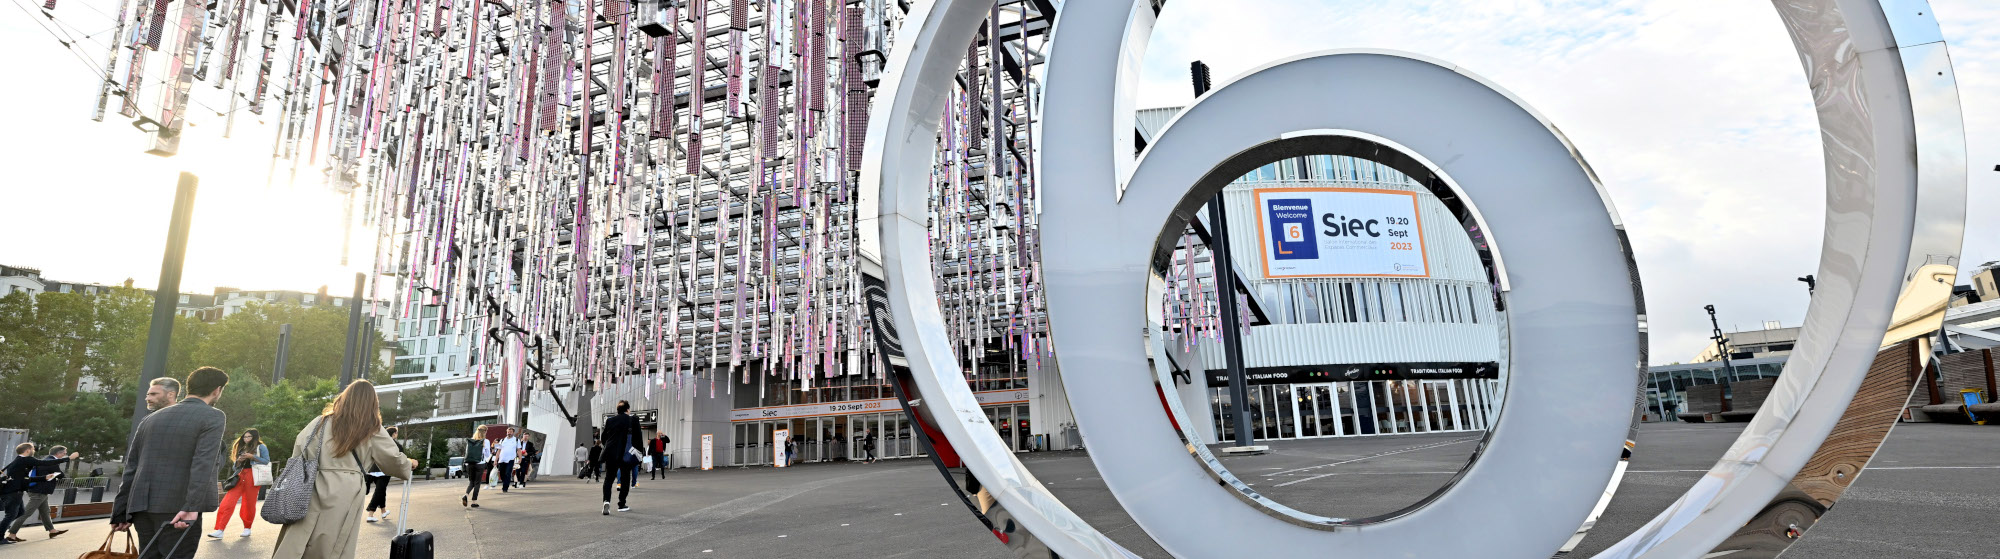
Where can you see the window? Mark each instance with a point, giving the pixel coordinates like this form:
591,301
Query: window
310,299
337,301
451,363
184,298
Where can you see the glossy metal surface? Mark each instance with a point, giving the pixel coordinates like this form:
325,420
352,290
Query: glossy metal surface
902,136
1895,179
1570,290
1892,145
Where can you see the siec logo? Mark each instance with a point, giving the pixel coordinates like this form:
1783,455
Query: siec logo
1342,226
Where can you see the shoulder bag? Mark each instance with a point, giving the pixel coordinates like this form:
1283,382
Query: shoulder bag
291,494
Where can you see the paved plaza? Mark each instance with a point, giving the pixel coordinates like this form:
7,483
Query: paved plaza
1931,494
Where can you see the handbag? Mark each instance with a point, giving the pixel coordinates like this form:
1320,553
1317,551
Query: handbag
260,474
291,494
105,552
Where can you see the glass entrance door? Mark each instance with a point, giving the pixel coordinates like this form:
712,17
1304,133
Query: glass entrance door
1023,441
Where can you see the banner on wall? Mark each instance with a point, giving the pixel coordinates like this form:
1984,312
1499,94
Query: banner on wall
780,458
1339,232
988,398
708,452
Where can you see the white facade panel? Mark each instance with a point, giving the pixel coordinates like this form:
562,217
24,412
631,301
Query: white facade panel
1377,342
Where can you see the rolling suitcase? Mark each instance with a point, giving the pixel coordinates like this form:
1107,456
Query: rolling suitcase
409,544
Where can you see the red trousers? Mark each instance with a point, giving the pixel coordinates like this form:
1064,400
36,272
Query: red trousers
245,491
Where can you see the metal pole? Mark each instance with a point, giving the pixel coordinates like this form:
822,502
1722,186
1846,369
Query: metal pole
1225,289
367,359
284,347
347,355
167,294
1721,343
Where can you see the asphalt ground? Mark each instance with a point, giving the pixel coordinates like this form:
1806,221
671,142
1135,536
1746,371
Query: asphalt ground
1933,492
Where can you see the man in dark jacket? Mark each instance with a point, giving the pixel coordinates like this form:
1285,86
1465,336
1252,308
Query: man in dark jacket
170,468
621,437
20,474
596,460
43,477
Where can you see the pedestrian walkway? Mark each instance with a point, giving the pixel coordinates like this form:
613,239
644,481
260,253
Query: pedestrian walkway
1929,494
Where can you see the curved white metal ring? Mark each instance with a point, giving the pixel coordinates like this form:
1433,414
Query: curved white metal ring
1855,51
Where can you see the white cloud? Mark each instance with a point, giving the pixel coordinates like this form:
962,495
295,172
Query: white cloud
1695,113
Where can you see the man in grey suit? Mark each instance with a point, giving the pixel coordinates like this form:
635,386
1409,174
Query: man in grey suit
170,468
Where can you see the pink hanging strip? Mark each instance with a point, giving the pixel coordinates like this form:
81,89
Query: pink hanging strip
697,86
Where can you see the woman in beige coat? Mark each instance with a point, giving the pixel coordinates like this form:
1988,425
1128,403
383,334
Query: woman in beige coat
352,441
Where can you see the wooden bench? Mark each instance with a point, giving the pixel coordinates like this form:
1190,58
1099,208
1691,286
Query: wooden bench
1746,397
1956,373
81,511
1703,403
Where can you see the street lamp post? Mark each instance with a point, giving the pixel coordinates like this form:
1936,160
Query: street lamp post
1810,284
166,294
1721,342
284,348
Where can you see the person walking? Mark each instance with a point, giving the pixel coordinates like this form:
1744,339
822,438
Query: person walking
582,458
352,441
35,498
379,482
30,480
170,467
478,459
249,450
622,446
530,456
596,459
510,451
868,447
659,453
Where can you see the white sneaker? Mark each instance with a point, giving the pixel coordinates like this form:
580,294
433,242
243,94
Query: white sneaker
624,509
371,518
216,534
607,508
245,534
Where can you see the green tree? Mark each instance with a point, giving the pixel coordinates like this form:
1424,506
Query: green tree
241,401
89,425
28,386
246,342
415,403
285,409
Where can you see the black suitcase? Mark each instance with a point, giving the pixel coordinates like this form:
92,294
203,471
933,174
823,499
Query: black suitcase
409,544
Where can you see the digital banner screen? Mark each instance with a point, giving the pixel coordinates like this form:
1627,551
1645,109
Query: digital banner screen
1336,232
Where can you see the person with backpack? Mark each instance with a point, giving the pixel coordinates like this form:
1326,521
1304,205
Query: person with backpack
478,458
350,440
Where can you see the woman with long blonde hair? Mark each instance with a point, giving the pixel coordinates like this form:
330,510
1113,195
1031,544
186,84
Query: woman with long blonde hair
350,441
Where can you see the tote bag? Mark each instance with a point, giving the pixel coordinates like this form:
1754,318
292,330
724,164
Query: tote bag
260,474
291,494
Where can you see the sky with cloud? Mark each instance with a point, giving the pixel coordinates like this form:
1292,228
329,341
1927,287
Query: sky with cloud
1694,113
